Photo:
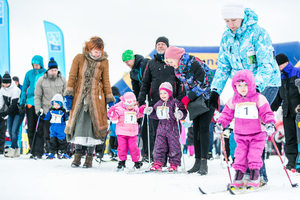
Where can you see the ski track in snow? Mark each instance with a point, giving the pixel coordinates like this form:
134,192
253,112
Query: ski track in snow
24,178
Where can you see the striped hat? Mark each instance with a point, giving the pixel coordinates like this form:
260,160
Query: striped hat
128,99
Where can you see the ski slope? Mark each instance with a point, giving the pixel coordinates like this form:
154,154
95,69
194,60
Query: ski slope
24,178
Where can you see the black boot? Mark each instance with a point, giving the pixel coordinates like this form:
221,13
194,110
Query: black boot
196,166
138,165
203,167
121,164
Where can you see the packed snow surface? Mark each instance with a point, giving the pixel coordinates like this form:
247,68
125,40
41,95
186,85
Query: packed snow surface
24,178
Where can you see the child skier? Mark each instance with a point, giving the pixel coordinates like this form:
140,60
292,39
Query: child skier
126,112
58,117
168,111
250,110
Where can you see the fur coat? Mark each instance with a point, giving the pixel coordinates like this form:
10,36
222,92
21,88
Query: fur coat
89,79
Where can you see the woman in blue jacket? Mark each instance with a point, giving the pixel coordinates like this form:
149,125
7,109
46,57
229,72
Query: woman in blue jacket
245,45
27,94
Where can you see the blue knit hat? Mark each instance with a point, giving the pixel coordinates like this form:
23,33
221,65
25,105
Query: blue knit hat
52,64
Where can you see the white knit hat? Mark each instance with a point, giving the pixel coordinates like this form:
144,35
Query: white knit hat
233,11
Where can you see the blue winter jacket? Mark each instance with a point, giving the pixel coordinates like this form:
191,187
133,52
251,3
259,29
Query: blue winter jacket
30,80
236,50
58,120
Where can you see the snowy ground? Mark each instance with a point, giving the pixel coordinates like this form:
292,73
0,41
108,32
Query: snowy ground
24,178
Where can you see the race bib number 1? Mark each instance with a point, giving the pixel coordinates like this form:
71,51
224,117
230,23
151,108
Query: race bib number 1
162,112
246,110
130,118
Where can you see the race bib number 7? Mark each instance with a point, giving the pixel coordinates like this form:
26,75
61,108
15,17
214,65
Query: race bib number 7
130,118
246,110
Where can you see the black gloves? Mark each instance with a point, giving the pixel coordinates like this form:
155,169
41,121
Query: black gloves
2,115
43,116
213,100
21,109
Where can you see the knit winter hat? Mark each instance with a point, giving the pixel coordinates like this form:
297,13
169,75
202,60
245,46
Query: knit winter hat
281,58
167,87
57,98
128,55
128,99
174,52
162,39
52,64
233,11
6,78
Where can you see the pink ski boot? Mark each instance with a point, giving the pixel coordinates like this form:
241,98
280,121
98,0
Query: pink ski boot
254,179
238,182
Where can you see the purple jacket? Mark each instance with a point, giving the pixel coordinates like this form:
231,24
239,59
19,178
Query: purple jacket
171,104
250,112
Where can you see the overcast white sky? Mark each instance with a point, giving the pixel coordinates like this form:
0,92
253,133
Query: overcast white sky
133,24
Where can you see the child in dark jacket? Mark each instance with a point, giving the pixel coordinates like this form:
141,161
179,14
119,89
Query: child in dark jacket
168,111
58,117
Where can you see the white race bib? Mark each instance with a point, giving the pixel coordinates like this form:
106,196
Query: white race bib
55,118
162,112
246,110
130,118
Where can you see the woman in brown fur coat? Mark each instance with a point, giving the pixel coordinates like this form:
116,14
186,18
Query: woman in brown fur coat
88,91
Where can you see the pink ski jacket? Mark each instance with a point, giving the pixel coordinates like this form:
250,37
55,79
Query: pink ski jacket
250,112
127,124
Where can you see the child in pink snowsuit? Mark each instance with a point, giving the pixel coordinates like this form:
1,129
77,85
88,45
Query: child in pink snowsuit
253,115
127,112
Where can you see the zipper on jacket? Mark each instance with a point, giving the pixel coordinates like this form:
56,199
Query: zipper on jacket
175,89
150,91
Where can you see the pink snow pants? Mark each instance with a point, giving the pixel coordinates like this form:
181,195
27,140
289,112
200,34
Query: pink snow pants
191,149
249,149
126,143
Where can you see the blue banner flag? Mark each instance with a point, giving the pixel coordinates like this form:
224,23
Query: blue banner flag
4,38
56,49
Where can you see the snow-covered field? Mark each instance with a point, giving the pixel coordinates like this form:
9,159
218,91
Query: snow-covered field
24,178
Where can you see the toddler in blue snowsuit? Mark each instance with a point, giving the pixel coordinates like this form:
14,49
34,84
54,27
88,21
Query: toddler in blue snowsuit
58,117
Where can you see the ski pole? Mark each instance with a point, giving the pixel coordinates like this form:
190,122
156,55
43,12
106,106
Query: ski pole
141,130
148,133
273,141
34,136
225,155
176,109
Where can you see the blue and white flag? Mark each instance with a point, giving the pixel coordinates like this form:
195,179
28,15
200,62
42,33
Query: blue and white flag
56,49
4,38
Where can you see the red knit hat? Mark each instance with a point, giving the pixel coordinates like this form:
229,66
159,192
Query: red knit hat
167,87
174,52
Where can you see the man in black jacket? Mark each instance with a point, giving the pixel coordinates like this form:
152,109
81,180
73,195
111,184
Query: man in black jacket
157,72
137,64
288,97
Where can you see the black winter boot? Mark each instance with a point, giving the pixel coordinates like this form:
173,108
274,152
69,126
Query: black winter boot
138,165
121,164
203,167
196,166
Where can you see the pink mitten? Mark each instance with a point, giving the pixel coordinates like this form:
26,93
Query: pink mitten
142,108
185,100
112,109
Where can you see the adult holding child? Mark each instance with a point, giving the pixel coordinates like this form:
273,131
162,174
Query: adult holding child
245,45
87,94
196,78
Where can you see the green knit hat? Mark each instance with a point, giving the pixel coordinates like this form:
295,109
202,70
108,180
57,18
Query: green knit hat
127,55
